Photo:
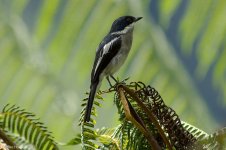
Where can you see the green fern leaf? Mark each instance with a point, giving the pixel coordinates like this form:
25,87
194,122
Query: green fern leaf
26,129
88,133
197,133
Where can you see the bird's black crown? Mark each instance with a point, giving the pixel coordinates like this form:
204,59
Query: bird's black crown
122,22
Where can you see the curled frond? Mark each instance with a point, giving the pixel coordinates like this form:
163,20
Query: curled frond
196,132
146,122
165,117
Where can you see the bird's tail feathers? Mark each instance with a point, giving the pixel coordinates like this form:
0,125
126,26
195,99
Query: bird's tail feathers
92,93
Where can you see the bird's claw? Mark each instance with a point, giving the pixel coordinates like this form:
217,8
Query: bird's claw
117,82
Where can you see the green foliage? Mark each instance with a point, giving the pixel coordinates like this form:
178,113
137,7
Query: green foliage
43,45
127,135
26,129
88,135
197,133
29,133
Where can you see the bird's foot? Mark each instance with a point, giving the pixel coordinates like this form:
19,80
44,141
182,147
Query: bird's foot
109,81
117,82
122,82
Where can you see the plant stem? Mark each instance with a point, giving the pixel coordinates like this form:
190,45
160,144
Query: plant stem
139,124
149,114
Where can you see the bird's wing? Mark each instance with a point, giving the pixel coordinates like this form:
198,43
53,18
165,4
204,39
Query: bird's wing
107,49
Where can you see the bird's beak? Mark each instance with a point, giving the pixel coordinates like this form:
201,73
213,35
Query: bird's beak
137,19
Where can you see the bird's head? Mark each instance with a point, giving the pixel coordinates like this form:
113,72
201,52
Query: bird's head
124,24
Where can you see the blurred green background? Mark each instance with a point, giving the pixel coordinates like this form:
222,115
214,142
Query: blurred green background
47,50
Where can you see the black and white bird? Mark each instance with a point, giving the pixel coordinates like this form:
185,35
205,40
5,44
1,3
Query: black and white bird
110,55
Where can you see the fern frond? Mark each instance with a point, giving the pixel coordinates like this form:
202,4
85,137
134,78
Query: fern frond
96,103
167,122
196,132
141,110
106,136
216,140
88,133
25,128
21,141
75,141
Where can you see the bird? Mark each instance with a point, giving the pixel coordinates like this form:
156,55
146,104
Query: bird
110,55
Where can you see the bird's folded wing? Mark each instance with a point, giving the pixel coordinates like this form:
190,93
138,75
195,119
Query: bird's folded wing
108,48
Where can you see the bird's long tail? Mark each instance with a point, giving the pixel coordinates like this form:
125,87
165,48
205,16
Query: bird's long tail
92,93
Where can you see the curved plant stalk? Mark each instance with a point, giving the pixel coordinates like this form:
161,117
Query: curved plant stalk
148,112
134,118
146,123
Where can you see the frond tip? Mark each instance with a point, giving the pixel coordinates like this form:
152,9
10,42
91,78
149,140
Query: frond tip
25,129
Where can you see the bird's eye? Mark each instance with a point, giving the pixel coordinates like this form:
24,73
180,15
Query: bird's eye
129,20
